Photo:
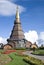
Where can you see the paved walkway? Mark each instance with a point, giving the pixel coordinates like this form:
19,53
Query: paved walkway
35,56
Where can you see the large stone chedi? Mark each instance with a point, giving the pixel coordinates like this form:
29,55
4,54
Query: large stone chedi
17,38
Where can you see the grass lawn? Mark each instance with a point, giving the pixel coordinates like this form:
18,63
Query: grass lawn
39,52
4,59
16,60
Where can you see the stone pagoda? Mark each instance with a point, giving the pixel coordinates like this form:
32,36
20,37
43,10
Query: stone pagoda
17,38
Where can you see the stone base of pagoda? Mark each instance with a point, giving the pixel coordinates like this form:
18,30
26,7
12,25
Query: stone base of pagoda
16,43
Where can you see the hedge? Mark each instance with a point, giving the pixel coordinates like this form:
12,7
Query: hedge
33,61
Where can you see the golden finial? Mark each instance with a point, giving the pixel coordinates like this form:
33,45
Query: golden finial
17,12
17,15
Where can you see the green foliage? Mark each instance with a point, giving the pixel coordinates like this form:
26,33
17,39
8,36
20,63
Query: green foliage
1,51
41,48
34,49
39,52
20,48
33,61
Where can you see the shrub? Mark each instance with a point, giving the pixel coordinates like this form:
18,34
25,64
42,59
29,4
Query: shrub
41,48
20,48
33,61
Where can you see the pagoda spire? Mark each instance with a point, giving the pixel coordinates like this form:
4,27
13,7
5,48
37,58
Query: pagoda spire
17,15
17,38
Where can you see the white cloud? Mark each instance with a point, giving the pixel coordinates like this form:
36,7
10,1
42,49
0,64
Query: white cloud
9,8
3,40
31,36
41,38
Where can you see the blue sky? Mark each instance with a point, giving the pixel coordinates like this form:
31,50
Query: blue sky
31,16
34,15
